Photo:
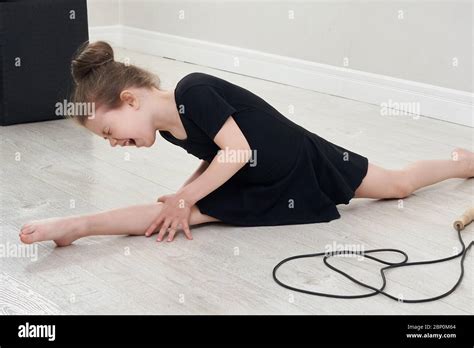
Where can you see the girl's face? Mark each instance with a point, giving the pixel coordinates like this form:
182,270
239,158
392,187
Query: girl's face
129,125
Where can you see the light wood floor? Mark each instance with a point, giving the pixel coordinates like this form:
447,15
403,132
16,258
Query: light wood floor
64,170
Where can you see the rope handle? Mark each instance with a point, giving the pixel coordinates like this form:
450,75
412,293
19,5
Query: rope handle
465,219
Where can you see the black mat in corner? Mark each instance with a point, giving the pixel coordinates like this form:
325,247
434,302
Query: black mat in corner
37,41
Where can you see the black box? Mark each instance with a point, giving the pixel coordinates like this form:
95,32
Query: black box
37,41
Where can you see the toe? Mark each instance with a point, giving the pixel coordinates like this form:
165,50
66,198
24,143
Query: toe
26,238
31,237
27,229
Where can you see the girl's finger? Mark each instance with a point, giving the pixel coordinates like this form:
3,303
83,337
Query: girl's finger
187,230
153,226
162,198
150,229
172,232
163,230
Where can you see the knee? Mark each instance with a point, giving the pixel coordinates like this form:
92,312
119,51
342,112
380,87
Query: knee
402,185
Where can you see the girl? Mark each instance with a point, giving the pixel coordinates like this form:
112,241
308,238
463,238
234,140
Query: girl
286,175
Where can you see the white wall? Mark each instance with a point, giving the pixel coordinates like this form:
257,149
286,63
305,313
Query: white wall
427,42
102,12
420,47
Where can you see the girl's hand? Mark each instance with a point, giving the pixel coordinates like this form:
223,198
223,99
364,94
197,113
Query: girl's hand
175,213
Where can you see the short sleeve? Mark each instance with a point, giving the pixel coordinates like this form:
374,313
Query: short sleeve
206,107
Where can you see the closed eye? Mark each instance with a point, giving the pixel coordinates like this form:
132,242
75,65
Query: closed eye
106,132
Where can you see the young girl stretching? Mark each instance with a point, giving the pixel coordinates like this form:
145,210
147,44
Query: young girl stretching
258,167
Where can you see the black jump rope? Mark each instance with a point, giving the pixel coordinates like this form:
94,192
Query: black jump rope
459,225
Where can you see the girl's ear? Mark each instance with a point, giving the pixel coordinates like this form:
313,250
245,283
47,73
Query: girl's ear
128,97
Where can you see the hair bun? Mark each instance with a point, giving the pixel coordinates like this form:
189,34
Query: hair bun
89,57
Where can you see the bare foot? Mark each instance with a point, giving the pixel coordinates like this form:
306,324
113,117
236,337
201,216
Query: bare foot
466,156
63,231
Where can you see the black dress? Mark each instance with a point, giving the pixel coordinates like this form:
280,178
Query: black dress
294,176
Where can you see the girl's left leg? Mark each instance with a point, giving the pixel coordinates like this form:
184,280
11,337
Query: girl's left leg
132,220
384,183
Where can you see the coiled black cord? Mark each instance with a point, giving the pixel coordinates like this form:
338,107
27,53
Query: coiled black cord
391,265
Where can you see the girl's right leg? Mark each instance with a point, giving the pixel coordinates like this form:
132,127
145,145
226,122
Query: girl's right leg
386,183
132,220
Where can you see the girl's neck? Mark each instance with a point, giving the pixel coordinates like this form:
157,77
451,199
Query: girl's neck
166,117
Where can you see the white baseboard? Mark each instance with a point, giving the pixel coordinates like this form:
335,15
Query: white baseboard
428,100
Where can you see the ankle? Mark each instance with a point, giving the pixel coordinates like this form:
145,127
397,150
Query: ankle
81,225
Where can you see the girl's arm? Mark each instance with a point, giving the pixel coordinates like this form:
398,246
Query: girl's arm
229,139
202,167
